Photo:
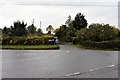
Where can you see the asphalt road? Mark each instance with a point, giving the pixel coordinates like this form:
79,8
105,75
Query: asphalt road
68,62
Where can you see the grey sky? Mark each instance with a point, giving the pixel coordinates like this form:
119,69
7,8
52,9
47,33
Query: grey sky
56,15
15,1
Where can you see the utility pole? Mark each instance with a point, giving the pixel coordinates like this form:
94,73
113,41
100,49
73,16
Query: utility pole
40,24
33,22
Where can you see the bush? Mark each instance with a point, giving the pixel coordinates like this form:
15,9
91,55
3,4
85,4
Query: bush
83,34
101,45
6,40
75,40
18,41
98,32
44,40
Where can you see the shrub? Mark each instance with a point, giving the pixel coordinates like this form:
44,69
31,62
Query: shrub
69,39
98,32
82,34
101,45
18,40
44,40
75,40
6,40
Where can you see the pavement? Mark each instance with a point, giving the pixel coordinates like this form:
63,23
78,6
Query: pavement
67,62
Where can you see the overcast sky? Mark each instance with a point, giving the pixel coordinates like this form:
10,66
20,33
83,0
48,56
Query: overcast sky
55,12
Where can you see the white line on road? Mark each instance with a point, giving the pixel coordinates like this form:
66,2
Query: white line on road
26,54
64,53
92,70
67,52
111,66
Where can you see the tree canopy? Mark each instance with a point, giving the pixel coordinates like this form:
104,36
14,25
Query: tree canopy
18,29
31,29
49,29
79,21
97,32
39,32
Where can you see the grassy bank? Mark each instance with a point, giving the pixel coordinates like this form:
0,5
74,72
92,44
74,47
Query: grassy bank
30,47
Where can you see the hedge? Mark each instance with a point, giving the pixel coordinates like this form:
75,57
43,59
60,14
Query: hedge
101,45
44,40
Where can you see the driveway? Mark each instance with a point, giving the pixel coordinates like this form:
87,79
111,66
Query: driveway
67,62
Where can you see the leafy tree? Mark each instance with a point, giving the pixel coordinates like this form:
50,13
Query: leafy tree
69,21
49,29
57,32
61,32
31,29
117,31
39,32
82,34
18,29
97,32
6,30
101,32
79,21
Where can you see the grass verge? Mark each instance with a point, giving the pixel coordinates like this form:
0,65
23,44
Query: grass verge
30,47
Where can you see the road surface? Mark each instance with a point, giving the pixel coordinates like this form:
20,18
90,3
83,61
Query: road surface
67,62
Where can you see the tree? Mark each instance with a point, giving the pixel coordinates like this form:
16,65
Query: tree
117,31
39,32
18,29
101,32
83,34
97,32
57,32
49,29
79,21
5,30
61,32
69,21
31,29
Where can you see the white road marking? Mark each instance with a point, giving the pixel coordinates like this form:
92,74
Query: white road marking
26,54
69,75
111,66
23,60
64,53
94,70
67,52
78,73
29,54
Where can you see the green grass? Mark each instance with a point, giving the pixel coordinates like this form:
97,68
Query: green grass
30,47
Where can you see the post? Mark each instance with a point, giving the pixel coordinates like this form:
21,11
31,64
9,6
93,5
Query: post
40,24
33,22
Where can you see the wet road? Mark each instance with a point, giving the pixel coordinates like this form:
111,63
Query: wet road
64,63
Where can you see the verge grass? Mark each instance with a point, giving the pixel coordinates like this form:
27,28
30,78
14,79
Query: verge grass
30,47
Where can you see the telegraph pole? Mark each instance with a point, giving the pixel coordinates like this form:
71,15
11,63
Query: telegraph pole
40,24
33,22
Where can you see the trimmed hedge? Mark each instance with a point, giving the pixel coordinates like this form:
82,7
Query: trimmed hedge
44,40
101,45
